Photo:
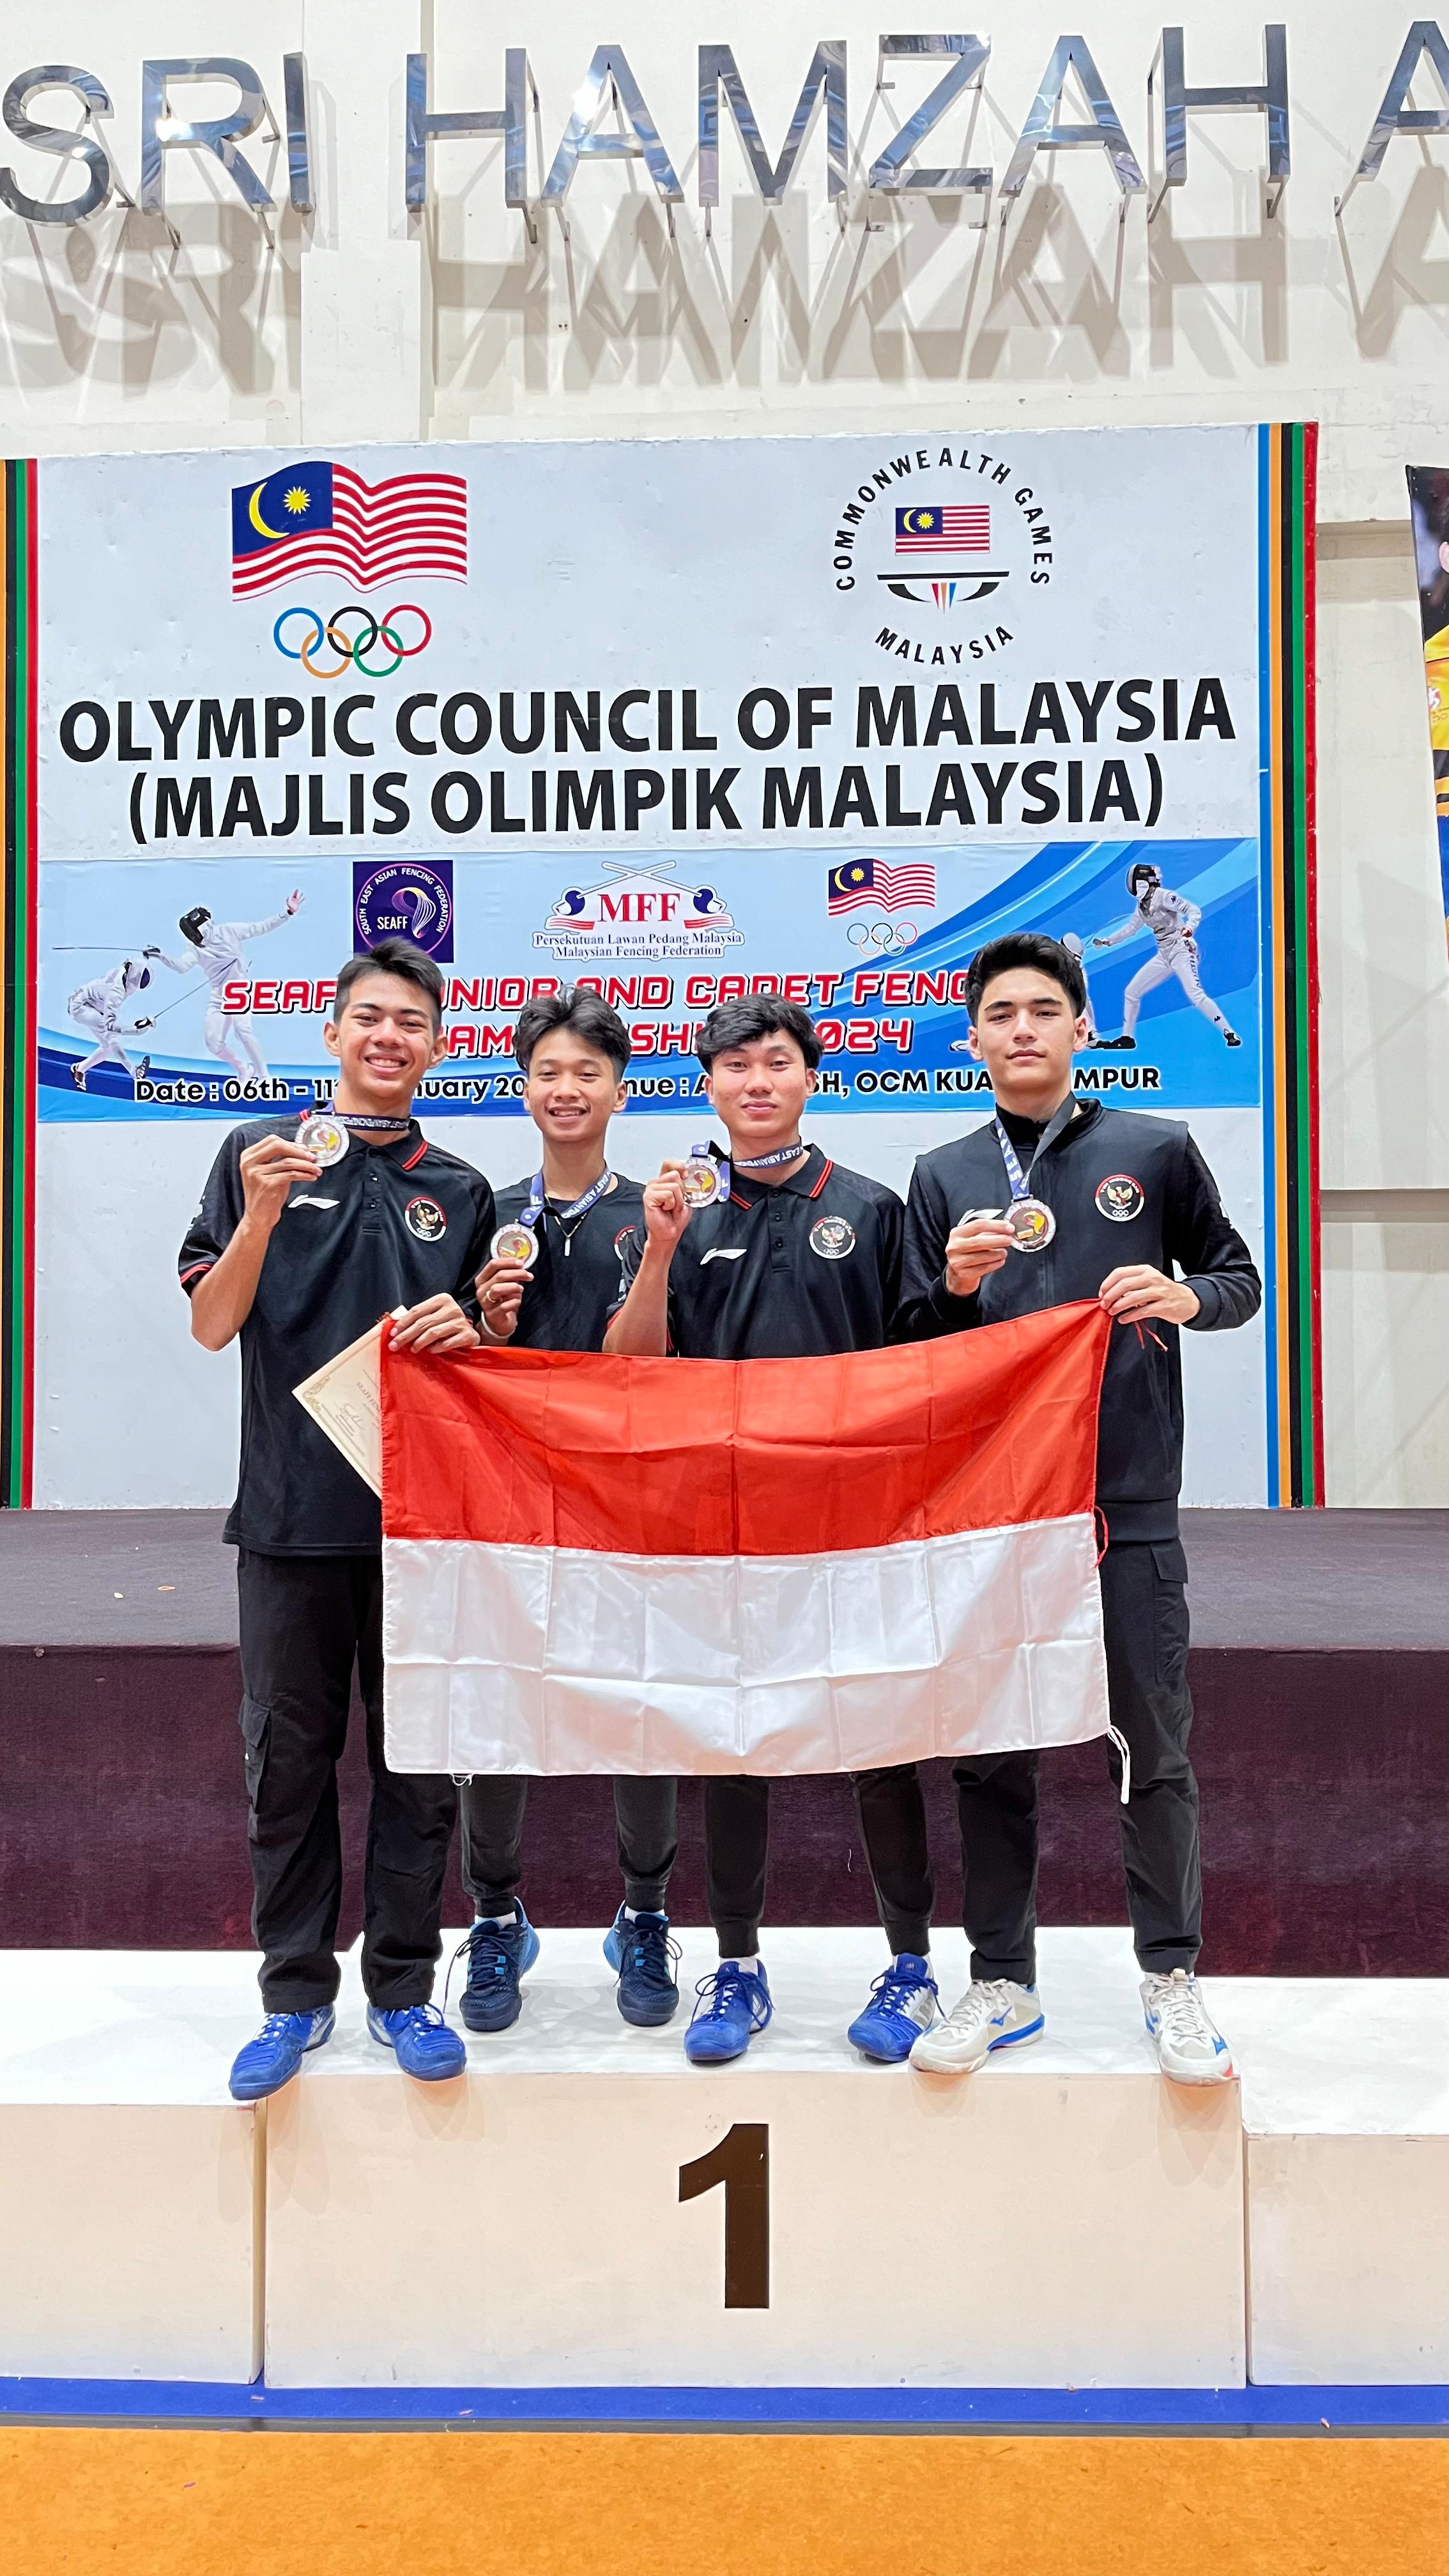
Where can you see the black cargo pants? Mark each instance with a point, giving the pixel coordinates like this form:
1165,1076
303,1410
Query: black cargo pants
306,1621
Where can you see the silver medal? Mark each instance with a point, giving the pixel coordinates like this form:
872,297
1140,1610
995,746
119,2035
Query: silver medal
324,1138
515,1243
1032,1223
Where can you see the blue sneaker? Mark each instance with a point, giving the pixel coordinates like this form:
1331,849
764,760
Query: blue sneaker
424,2044
499,1956
271,2059
733,2004
642,1956
903,2003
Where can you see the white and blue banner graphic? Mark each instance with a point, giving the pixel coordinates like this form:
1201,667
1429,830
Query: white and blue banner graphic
228,996
679,719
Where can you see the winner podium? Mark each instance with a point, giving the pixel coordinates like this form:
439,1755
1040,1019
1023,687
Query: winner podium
584,2210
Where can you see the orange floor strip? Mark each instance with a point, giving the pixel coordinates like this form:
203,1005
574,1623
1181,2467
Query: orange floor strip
187,2503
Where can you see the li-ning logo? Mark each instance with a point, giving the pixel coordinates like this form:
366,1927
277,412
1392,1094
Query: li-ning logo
932,534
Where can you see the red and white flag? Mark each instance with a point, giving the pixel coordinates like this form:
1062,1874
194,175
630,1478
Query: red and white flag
669,1566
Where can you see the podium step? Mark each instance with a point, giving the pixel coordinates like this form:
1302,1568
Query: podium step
1060,2218
130,2182
588,2211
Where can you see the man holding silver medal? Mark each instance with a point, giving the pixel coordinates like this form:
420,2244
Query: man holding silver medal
776,1252
306,1234
550,1283
1035,1208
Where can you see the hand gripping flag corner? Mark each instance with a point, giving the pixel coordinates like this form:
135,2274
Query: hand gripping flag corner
672,1566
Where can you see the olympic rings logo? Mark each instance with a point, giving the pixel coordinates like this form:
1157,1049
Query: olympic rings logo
890,937
352,649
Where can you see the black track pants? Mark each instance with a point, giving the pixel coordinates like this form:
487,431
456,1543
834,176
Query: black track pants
305,1622
492,1806
1144,1619
893,1827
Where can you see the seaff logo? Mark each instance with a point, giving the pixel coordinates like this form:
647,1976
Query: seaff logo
943,548
405,899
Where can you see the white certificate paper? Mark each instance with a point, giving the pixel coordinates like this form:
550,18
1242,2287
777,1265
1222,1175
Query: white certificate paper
344,1396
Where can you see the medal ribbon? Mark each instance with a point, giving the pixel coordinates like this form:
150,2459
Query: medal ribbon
768,1162
1060,1118
357,1125
1014,1173
530,1214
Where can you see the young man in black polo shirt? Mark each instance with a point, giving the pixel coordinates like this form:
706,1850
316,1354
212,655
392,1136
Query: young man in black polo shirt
796,1258
300,1252
1088,1186
568,1222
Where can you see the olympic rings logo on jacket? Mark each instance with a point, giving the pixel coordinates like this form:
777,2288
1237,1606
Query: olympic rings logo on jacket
351,649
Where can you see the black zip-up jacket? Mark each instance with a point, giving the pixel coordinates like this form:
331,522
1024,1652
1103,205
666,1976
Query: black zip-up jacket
1123,1188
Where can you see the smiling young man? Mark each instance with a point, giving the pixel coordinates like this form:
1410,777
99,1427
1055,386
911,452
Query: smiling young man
794,1259
1052,1200
567,1223
299,1252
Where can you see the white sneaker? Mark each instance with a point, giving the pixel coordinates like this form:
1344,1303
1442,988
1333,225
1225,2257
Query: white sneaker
1189,2046
990,2015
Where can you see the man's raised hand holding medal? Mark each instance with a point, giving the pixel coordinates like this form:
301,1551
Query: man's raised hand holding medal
573,1087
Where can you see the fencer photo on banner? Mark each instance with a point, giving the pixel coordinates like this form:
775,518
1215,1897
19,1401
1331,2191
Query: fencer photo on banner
1429,513
680,719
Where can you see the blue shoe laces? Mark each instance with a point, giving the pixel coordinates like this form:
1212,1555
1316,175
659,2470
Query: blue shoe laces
490,1955
718,1992
647,1952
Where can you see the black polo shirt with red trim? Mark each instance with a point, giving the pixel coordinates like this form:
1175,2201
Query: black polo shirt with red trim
797,1271
574,1285
387,1226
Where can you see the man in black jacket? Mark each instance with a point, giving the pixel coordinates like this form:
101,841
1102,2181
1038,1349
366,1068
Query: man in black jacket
1036,1208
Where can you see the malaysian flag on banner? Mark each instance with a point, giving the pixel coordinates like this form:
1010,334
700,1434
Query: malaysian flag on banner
955,528
325,518
874,881
657,1566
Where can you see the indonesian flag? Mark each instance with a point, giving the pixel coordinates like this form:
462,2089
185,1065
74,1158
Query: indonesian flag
670,1566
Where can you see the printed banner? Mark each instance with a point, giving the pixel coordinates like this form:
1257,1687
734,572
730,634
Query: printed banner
1429,511
224,1019
683,720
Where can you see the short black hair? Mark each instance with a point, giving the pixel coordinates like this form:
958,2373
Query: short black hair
575,1007
1025,948
757,1015
392,957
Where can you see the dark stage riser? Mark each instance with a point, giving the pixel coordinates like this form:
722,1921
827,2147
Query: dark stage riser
1325,1805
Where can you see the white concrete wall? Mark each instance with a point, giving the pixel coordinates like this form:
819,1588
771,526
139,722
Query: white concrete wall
362,323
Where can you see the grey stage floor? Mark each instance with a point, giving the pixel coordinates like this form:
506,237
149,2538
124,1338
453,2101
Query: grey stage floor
1323,1580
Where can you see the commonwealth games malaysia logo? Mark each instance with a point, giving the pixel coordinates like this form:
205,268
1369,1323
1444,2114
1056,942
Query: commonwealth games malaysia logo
944,547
